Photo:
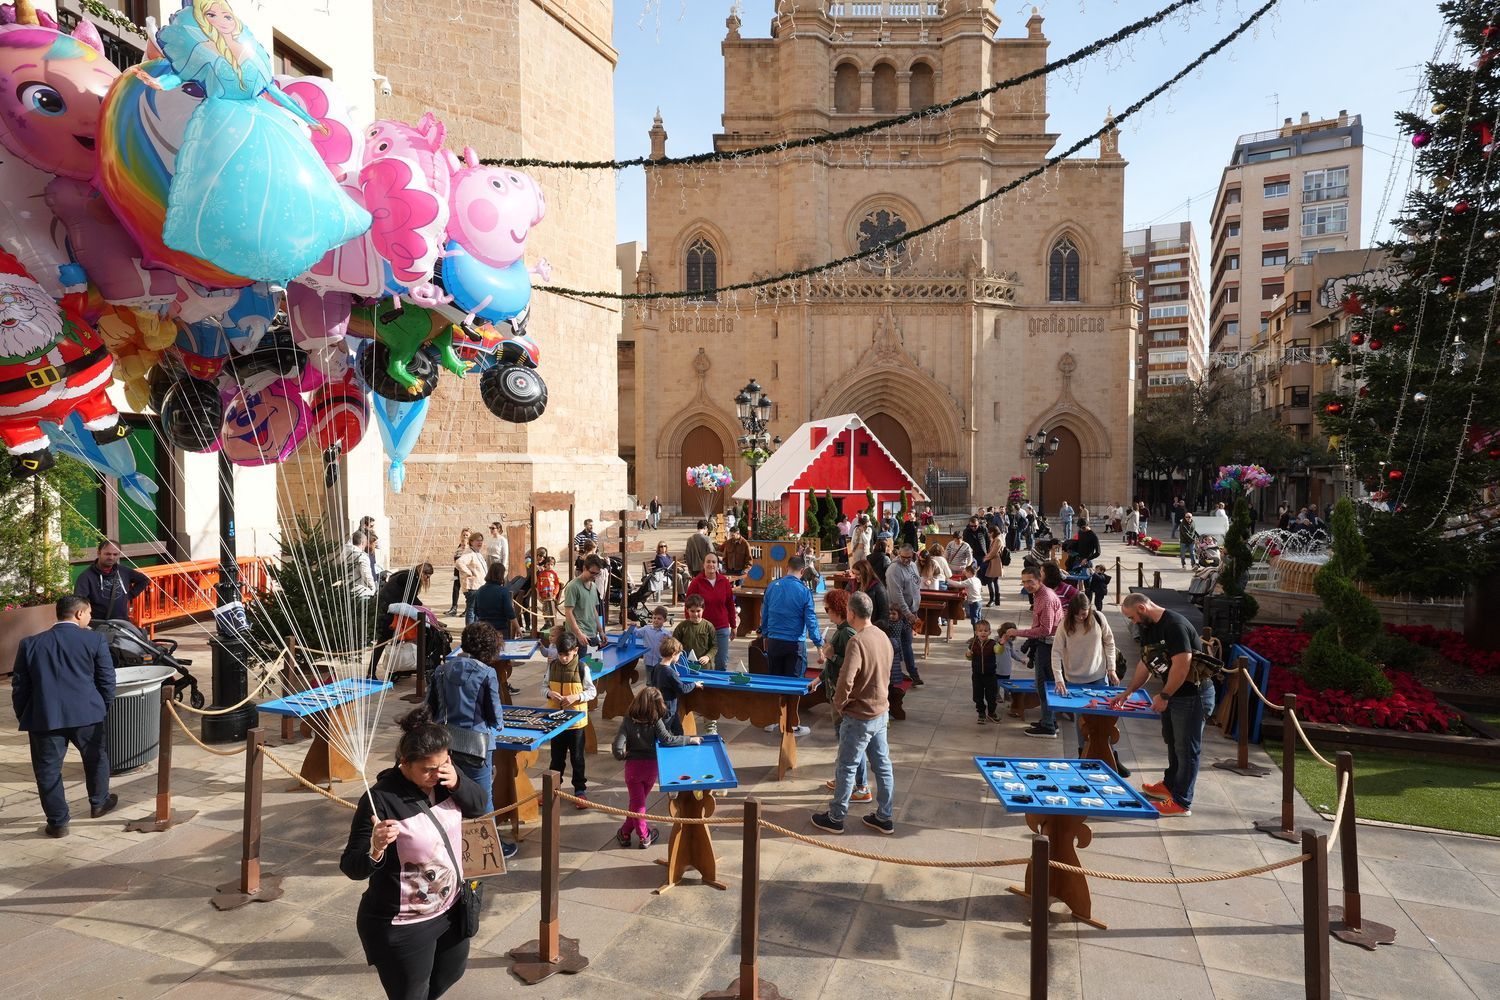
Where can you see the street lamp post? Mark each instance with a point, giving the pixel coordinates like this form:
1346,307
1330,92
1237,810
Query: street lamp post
1039,447
753,407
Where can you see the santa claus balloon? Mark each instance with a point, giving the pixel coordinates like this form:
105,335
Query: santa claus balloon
52,363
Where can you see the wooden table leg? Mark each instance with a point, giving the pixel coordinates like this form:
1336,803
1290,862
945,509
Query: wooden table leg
511,784
790,719
503,670
1065,835
1100,734
590,734
326,763
616,691
690,846
1020,701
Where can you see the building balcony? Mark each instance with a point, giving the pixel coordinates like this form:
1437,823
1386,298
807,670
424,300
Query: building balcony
1334,193
1294,416
1299,373
1167,274
124,51
885,8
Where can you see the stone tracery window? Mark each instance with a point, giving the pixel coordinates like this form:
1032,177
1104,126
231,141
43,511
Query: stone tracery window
1063,272
702,270
882,226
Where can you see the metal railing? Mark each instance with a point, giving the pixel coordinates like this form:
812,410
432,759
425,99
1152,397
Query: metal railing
1329,193
885,8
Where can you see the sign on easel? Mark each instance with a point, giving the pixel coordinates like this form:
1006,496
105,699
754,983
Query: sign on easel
482,856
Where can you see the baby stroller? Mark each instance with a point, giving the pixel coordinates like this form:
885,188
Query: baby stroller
650,593
131,647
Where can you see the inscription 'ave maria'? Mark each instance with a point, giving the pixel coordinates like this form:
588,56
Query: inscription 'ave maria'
701,324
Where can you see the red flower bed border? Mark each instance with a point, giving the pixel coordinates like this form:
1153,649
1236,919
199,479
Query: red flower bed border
1411,707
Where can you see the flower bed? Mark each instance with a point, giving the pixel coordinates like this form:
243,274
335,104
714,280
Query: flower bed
1411,707
1450,646
1147,542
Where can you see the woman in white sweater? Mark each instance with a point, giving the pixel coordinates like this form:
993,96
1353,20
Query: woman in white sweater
1083,653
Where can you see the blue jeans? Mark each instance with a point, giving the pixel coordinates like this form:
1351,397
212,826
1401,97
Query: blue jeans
1182,731
469,606
1041,666
47,752
857,739
901,650
971,608
721,648
1067,526
859,774
481,771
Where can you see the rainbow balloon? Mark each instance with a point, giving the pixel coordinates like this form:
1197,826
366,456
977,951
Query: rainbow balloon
140,131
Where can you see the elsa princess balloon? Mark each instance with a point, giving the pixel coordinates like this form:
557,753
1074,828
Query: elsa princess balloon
250,193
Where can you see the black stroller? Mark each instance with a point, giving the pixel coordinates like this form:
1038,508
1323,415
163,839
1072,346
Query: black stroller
131,647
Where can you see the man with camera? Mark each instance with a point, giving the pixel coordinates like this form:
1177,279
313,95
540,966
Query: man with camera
1172,651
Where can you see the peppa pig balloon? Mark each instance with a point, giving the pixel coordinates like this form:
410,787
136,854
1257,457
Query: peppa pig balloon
51,87
492,211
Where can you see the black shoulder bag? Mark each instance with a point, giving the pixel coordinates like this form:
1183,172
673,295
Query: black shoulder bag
469,898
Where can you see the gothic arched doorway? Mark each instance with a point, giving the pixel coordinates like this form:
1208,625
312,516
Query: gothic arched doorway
701,446
891,434
1064,479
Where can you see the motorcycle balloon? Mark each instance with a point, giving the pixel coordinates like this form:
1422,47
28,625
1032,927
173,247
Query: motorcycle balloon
191,415
374,357
514,393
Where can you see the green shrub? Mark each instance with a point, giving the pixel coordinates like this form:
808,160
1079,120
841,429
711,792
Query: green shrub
1341,653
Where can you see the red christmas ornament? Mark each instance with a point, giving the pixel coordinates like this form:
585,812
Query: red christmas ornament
1334,408
1398,327
1482,129
1352,306
1448,279
1460,208
1376,344
1364,391
1395,475
1356,339
1489,31
1494,453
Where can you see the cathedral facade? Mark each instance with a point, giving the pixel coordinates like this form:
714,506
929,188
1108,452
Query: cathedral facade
953,347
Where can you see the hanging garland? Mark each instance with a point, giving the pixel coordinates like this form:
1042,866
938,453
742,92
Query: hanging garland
95,8
888,245
857,130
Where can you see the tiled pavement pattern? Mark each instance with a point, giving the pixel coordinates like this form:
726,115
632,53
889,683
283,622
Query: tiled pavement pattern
109,914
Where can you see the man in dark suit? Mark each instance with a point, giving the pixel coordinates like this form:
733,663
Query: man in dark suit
62,687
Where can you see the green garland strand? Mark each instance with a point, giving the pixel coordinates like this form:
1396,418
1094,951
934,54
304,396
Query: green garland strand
94,8
887,245
857,130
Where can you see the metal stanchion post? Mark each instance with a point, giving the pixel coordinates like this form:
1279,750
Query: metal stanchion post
1140,575
1348,921
1119,584
1281,827
1315,967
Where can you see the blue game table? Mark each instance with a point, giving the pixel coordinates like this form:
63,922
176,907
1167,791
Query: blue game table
517,746
1100,722
759,699
691,774
1057,796
324,711
614,671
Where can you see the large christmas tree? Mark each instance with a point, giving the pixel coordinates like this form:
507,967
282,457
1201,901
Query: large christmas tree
1416,411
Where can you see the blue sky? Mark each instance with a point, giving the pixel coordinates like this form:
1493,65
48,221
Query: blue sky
1306,55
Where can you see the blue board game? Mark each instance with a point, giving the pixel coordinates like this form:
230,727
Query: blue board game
695,768
727,680
1092,699
622,651
328,696
519,649
1052,787
529,728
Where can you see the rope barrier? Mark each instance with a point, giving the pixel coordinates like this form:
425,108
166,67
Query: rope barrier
1338,812
888,859
1256,690
308,784
583,803
1182,879
172,707
1302,734
270,676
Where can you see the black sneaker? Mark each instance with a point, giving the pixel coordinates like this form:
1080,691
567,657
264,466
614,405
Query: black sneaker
651,837
509,849
1041,731
916,680
823,821
109,804
981,720
994,717
1122,770
885,826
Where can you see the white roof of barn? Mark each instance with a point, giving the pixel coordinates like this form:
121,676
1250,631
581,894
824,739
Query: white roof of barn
792,459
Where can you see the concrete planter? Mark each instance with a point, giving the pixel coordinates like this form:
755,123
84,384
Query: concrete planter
20,623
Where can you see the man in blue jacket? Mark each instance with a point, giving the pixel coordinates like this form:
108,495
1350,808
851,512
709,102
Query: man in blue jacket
62,687
786,615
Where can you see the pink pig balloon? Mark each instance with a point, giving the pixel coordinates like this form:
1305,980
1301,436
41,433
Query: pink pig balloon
51,88
493,210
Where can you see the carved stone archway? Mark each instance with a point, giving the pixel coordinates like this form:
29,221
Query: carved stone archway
1096,445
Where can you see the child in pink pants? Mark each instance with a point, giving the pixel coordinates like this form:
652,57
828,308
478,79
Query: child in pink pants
643,729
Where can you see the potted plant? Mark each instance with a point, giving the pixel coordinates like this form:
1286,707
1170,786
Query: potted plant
36,518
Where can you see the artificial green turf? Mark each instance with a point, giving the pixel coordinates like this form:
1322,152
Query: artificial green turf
1401,788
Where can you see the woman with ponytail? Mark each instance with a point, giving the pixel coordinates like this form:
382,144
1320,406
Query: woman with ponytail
407,841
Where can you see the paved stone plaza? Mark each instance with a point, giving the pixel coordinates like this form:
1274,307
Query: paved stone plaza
109,914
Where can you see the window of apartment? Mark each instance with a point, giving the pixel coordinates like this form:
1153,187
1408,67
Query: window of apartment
1166,336
1232,196
1325,185
1167,291
1169,312
1275,222
287,61
1265,322
1232,228
1262,155
1323,220
1232,294
1277,189
1232,262
1273,258
1166,269
1271,289
1299,395
1176,356
1232,328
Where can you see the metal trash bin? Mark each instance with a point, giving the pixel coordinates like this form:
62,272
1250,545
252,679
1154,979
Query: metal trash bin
133,728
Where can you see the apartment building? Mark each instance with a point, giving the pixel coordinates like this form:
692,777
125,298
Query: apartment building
1287,194
1288,366
1172,343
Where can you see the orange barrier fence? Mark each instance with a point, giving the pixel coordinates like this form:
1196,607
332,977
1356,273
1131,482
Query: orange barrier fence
180,590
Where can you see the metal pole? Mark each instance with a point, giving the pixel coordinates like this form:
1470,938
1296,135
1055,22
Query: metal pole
1040,905
754,497
1315,968
1118,583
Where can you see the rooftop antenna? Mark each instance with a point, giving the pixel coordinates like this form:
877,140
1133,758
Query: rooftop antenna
1275,100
